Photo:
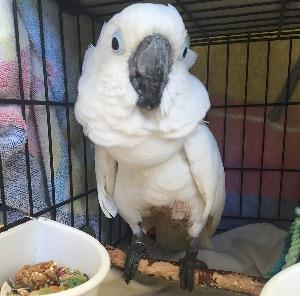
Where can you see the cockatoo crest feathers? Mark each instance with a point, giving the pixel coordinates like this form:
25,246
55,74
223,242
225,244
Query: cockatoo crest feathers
173,9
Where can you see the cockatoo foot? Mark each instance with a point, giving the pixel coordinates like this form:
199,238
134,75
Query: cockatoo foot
187,266
135,252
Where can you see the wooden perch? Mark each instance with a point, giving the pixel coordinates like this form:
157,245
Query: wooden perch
208,278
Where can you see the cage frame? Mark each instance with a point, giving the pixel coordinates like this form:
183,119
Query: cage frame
200,37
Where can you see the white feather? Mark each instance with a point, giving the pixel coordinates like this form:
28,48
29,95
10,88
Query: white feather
208,172
106,169
88,60
190,58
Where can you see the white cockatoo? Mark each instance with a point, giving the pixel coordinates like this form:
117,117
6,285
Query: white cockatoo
156,160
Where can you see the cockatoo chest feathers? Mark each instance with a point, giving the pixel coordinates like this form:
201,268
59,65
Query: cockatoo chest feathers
147,153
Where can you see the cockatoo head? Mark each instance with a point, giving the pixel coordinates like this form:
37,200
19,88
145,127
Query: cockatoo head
136,81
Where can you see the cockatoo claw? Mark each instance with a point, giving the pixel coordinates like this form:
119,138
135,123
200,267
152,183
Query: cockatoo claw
187,266
135,252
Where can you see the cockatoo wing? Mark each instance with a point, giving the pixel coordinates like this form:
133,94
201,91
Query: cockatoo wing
207,169
106,170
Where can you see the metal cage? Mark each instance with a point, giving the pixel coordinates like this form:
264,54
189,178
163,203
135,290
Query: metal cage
217,28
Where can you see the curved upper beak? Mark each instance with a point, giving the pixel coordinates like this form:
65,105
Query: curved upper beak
149,68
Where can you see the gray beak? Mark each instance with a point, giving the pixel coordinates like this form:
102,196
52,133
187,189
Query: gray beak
149,68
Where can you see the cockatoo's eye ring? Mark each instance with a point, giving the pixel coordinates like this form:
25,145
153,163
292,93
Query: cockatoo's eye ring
184,52
115,43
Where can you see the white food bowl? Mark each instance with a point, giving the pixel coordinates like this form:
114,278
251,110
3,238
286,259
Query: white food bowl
285,283
44,240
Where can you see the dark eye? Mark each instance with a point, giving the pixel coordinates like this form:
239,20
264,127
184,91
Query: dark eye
115,43
184,52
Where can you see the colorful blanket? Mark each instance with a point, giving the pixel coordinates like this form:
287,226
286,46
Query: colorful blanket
15,128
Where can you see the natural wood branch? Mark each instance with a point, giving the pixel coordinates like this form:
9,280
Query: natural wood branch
208,278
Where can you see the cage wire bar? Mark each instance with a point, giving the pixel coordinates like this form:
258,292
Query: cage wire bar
244,128
285,124
94,43
209,23
62,39
83,137
45,75
264,128
22,97
199,25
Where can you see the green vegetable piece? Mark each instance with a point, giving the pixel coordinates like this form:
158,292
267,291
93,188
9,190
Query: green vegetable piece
75,280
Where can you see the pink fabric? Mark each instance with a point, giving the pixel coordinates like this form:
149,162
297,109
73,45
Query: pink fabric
253,141
11,115
9,76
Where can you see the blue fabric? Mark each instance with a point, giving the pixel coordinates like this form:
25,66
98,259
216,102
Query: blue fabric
29,13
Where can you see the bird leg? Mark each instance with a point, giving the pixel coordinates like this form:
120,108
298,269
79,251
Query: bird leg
188,264
135,252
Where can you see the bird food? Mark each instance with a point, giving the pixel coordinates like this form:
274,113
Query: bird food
41,279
